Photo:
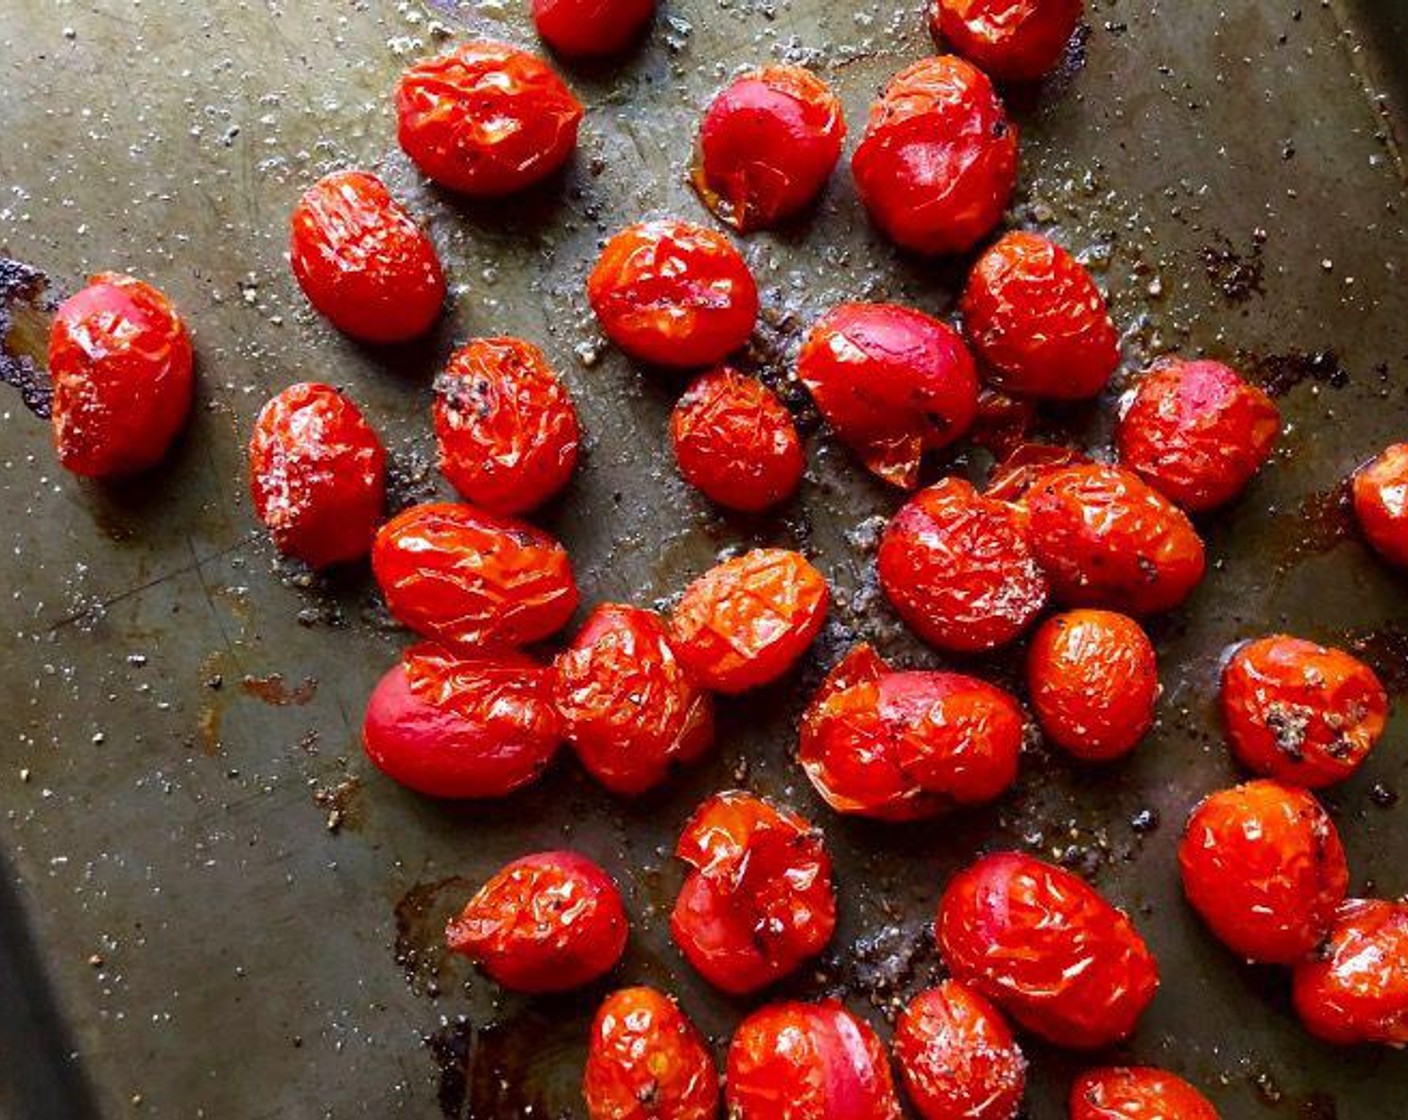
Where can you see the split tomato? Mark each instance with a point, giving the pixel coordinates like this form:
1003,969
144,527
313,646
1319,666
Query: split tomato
1355,989
1015,40
647,1061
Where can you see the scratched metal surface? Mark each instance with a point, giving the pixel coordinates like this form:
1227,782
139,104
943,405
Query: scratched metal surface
184,933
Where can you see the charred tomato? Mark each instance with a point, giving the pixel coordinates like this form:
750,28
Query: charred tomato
1137,1093
1355,989
647,1061
1380,490
590,29
1015,40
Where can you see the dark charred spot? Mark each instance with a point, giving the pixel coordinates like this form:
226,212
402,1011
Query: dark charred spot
1287,724
1278,374
24,319
1237,275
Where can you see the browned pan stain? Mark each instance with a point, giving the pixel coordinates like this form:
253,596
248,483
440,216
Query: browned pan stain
274,691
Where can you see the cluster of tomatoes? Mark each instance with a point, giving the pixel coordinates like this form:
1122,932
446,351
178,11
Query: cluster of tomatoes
467,714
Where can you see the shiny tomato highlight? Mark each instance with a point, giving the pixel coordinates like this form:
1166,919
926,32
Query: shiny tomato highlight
1137,1093
647,1061
1015,40
1380,491
1355,989
590,29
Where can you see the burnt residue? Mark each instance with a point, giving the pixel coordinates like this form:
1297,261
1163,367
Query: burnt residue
410,478
1386,652
511,1068
273,690
421,916
1278,374
1237,274
1323,521
24,316
450,1049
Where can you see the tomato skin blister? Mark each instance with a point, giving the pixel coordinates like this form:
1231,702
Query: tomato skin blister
647,1061
1137,1093
1355,989
1013,40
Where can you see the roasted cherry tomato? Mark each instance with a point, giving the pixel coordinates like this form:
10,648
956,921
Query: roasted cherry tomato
628,707
1137,1093
469,578
735,442
317,473
1299,712
590,29
1015,40
938,160
486,118
957,567
1107,539
759,902
1197,433
505,425
462,727
900,746
1263,865
1048,948
892,382
673,294
545,923
1026,463
958,1059
647,1061
809,1061
1356,988
363,262
768,143
120,362
743,623
1381,503
1034,315
1093,681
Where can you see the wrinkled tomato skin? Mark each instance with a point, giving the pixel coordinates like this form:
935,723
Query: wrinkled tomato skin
628,707
1016,42
745,622
892,382
505,425
1197,433
1299,712
1355,989
363,262
590,29
486,118
1107,539
1380,492
1263,866
1137,1093
1048,949
468,577
767,146
735,442
1034,316
1024,465
548,922
809,1061
957,1057
121,366
673,294
1094,681
462,727
938,160
317,474
958,568
647,1061
759,901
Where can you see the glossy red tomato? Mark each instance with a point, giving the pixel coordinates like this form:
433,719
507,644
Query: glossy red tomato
505,424
809,1061
958,568
364,262
1300,712
759,901
120,362
1356,988
673,294
628,707
1381,503
317,473
1048,948
547,922
1094,681
769,142
462,727
486,118
1016,40
647,1061
1034,315
1026,463
938,160
958,1059
1197,433
1107,539
900,746
1137,1093
893,383
745,622
590,29
1262,864
468,577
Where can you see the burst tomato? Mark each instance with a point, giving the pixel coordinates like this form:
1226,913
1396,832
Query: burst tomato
1299,712
1024,465
647,1061
1048,948
590,29
893,383
938,160
1356,988
759,901
120,362
1137,1093
1015,40
486,118
1380,491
